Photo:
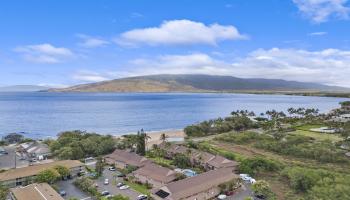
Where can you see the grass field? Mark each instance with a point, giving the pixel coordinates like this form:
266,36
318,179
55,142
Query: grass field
307,127
318,136
278,184
137,187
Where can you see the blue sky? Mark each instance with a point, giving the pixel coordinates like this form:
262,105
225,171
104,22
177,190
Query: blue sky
61,43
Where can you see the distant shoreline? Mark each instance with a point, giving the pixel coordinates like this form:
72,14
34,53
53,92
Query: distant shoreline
263,92
155,135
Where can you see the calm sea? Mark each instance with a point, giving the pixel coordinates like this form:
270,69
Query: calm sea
41,114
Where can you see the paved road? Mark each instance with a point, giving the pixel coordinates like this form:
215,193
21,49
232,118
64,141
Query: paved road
7,161
112,188
71,190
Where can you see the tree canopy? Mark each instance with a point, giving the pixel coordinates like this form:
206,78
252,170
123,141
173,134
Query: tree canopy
48,176
80,144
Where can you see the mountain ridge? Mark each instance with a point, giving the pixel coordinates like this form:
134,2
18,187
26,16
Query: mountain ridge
22,88
198,83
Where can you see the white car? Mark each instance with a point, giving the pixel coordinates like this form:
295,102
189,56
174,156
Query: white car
142,197
252,181
106,181
120,184
111,168
243,175
124,187
222,196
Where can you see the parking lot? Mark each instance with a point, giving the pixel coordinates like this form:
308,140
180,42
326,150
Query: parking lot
71,190
7,161
112,188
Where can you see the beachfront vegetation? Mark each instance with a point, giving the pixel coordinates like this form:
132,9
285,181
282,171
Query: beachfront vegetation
80,144
136,142
238,121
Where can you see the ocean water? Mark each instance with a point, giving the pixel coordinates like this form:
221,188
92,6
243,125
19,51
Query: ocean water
41,115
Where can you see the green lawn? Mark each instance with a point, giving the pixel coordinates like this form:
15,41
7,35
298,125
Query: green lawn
318,136
137,187
307,127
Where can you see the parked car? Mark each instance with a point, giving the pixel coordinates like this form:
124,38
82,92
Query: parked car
124,187
142,197
105,193
109,196
252,181
243,175
62,193
111,168
222,196
247,178
120,184
121,175
106,181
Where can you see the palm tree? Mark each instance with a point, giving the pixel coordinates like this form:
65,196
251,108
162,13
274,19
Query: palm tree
163,137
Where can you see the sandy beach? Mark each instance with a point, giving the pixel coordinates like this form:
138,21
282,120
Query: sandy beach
155,136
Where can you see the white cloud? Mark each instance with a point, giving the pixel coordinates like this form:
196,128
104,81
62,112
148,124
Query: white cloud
91,42
44,53
329,66
90,76
136,15
196,63
319,11
317,33
180,32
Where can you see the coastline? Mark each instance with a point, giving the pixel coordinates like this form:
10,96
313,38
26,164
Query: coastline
155,135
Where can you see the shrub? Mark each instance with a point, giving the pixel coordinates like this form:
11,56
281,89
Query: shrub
262,188
254,166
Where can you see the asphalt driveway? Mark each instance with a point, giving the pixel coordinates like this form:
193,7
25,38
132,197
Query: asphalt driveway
112,188
244,192
71,190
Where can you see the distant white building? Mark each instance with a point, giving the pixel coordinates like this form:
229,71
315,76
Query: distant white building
341,118
35,149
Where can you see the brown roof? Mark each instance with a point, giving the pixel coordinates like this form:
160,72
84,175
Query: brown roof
125,156
156,172
35,169
220,161
204,157
190,186
42,191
